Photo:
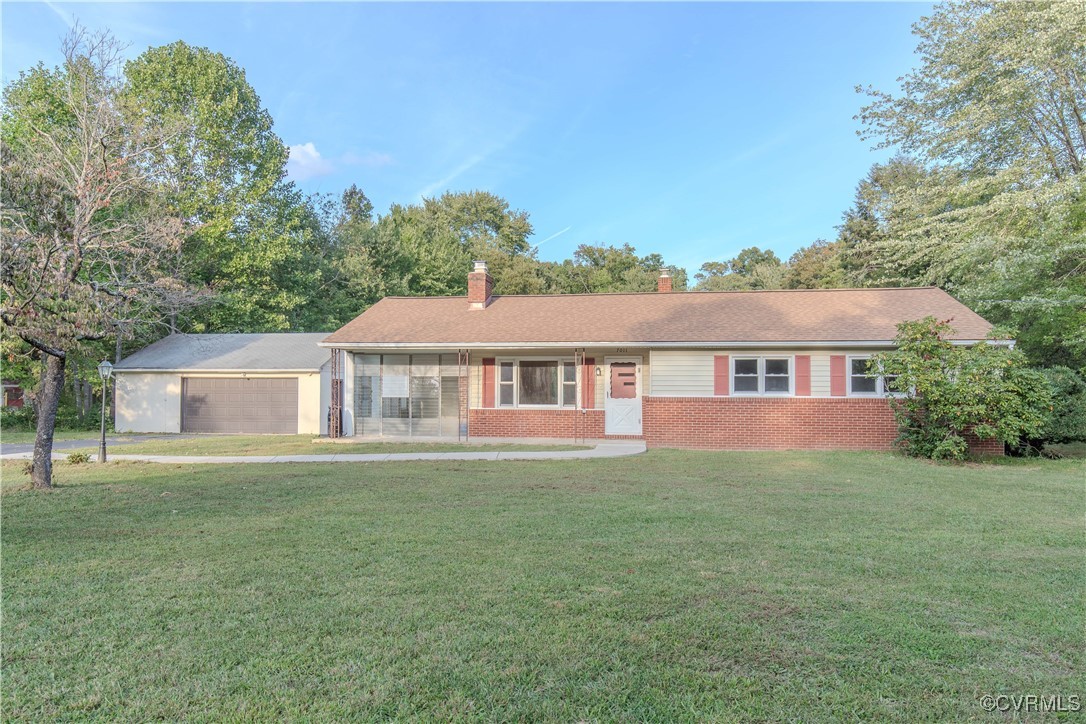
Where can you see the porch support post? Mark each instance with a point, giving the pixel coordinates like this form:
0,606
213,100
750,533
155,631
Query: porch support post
335,407
581,420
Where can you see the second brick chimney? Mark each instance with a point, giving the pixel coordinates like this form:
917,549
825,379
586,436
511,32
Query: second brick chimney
480,286
663,284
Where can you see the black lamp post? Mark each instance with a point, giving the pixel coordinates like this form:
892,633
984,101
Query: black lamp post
105,371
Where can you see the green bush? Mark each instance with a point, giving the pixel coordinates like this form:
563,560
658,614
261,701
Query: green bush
1067,422
951,391
78,458
23,420
17,419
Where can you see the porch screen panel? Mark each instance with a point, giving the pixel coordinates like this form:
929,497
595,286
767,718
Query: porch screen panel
367,394
425,395
450,395
396,395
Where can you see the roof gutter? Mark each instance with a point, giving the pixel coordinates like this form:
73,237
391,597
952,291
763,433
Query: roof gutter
820,344
233,371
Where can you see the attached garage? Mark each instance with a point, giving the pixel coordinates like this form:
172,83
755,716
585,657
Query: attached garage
226,383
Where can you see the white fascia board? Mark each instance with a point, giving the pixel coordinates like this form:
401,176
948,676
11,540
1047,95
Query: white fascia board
651,345
235,371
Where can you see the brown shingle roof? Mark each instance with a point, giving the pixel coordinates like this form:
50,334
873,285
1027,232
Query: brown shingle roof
823,315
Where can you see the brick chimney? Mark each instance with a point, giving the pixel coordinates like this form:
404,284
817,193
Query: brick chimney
480,286
663,284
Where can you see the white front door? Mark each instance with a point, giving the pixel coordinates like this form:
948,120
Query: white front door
622,408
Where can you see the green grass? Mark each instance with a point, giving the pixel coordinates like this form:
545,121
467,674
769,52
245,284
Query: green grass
304,445
665,586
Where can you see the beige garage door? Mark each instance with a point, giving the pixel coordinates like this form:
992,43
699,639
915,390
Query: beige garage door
232,404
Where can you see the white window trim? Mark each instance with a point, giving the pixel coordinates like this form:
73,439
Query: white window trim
516,383
498,382
880,381
761,375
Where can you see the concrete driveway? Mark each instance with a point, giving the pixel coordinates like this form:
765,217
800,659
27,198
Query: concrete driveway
92,442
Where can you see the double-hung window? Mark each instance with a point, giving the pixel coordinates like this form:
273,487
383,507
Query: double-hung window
864,382
506,383
762,376
537,383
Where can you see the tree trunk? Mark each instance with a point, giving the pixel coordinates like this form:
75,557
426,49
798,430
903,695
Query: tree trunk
77,390
52,386
113,387
88,401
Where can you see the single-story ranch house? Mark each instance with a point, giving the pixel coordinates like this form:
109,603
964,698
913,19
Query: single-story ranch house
717,370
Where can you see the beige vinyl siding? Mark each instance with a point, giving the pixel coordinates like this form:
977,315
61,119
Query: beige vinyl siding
681,373
689,373
820,375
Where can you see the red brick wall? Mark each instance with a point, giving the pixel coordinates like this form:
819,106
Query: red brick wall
504,422
480,288
984,447
758,423
723,423
783,423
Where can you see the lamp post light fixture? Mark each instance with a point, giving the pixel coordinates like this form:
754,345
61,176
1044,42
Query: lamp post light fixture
105,371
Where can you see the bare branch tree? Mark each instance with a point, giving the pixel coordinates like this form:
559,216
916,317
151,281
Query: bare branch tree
88,243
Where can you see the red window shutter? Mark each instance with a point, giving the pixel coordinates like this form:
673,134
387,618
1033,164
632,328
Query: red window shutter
803,375
720,374
588,384
488,382
837,375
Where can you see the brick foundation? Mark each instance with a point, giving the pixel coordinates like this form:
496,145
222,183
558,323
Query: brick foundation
724,423
498,422
984,448
756,423
783,423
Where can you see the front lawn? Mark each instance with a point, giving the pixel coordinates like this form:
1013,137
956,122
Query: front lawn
304,445
665,586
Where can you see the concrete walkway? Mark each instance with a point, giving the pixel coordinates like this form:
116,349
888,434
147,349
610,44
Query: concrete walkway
610,449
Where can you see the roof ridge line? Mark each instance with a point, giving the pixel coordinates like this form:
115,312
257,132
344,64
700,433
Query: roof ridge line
670,294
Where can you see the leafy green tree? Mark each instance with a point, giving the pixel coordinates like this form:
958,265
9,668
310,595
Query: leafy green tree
1067,422
948,391
999,85
750,259
818,266
598,268
751,268
992,206
252,241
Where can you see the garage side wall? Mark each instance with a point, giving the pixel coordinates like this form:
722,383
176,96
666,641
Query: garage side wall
148,402
309,404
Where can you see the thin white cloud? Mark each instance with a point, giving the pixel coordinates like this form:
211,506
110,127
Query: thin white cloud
64,16
371,159
305,162
553,236
443,184
760,149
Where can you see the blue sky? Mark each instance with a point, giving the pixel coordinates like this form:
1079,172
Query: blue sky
692,130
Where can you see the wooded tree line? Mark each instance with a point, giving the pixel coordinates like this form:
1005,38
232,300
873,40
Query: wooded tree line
148,196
